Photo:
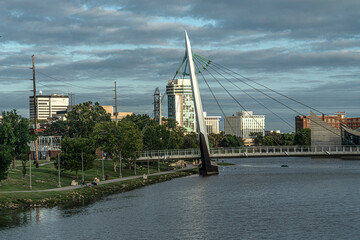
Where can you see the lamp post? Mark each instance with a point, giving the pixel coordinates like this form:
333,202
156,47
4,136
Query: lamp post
120,163
59,183
82,167
30,186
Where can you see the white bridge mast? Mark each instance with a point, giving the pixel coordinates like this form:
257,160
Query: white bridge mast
206,168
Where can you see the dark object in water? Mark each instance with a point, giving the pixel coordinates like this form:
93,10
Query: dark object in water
284,165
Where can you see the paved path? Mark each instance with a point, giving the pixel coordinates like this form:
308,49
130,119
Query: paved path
105,182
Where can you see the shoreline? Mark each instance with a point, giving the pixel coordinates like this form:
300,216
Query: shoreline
51,198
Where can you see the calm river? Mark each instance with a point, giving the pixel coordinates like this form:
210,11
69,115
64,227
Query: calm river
256,199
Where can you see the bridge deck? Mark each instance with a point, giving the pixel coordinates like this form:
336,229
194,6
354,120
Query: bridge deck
244,152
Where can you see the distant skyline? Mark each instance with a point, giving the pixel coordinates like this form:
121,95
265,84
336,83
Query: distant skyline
309,50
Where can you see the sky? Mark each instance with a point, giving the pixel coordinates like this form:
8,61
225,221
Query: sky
307,50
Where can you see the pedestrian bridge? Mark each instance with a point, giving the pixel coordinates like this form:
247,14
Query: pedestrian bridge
259,152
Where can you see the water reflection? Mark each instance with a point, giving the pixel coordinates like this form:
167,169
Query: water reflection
255,199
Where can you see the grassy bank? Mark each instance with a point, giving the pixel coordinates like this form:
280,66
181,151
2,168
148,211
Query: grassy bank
46,176
48,199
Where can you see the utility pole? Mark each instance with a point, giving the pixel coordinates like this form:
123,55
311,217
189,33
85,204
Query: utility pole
71,98
35,115
116,112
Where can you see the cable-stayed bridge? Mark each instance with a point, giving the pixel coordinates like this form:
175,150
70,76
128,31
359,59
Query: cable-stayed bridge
248,152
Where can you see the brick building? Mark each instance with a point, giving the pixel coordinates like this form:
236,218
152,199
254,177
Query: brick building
333,120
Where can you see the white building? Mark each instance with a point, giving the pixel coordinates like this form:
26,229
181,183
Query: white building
244,123
48,105
212,123
181,104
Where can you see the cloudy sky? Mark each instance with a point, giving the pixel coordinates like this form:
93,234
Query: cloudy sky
308,50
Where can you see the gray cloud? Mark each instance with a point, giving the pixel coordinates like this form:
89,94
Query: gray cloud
307,49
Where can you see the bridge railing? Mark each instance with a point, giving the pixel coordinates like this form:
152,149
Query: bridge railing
249,150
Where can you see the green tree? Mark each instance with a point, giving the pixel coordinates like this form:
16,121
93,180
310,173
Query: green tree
71,154
131,139
83,118
5,161
174,137
269,141
155,136
258,138
288,139
140,120
303,137
58,128
215,139
15,134
231,141
107,136
191,140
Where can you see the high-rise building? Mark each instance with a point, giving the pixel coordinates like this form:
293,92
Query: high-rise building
181,104
48,105
212,123
244,123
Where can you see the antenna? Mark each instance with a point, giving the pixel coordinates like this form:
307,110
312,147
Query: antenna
157,106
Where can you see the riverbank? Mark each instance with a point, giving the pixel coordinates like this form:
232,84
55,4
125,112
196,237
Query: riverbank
16,200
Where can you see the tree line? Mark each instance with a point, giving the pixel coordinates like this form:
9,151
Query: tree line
89,127
301,138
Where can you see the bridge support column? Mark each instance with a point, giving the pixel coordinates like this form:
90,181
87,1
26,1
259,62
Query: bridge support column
206,167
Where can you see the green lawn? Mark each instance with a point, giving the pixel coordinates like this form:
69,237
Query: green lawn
225,164
46,176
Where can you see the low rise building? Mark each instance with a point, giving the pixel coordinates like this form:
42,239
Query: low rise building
334,120
212,123
244,123
120,115
48,105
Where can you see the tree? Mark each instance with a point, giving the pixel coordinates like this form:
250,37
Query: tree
155,136
258,138
231,141
131,140
303,137
107,137
83,118
140,120
58,128
5,161
288,139
191,140
72,150
269,141
174,137
15,134
215,139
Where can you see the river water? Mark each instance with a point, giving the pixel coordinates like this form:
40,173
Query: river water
256,199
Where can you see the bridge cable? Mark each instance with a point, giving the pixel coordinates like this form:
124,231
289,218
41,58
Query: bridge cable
272,90
215,98
238,103
267,94
252,97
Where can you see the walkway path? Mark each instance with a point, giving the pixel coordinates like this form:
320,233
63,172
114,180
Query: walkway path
106,181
